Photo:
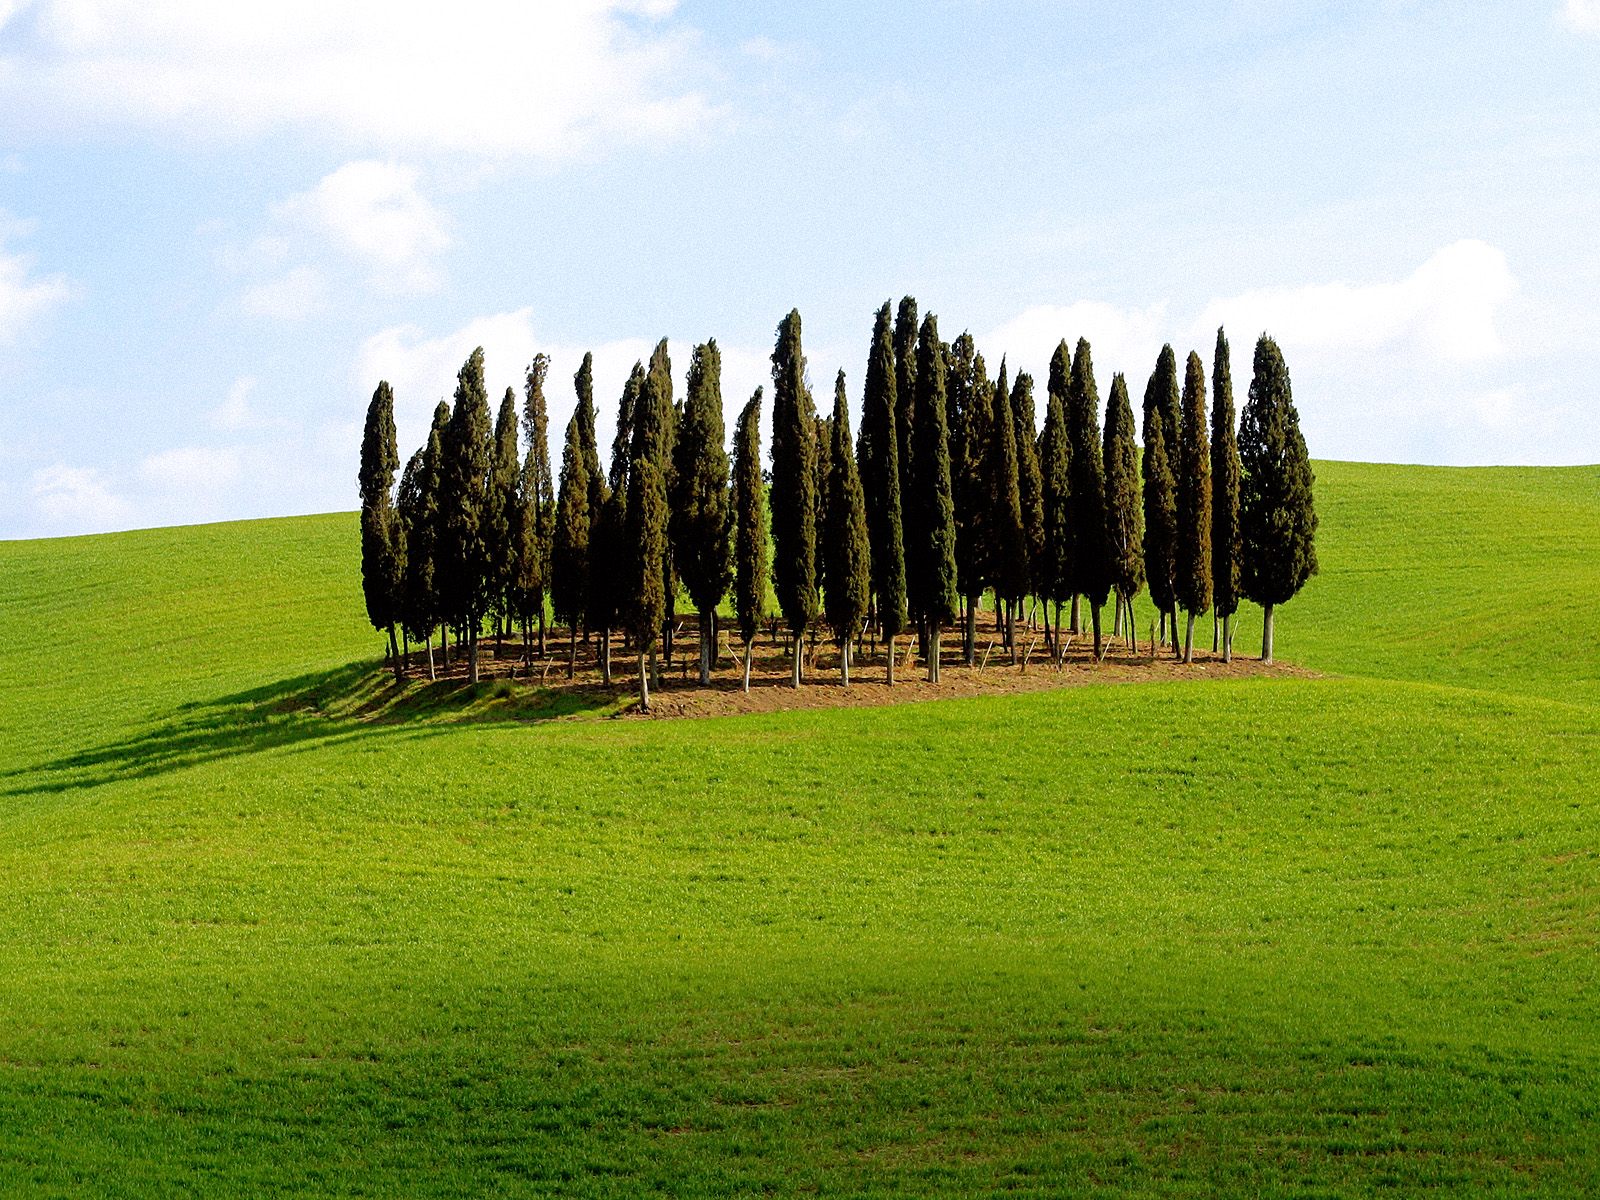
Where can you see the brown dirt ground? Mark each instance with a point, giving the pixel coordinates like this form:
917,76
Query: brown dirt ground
680,694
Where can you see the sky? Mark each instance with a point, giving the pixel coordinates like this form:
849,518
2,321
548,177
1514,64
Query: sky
222,225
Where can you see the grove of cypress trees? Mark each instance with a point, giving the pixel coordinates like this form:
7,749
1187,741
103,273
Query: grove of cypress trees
1225,477
934,537
539,504
749,529
1090,573
382,544
1192,575
646,549
849,557
1278,522
880,479
1008,545
794,497
1055,468
509,527
1124,524
1160,516
569,551
464,507
1030,482
1161,400
699,523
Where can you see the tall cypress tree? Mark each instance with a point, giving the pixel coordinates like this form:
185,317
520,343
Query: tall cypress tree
1030,482
849,557
794,484
1055,468
416,507
1278,521
510,527
464,507
1124,523
880,480
608,576
822,466
970,467
539,503
569,551
699,523
1225,476
1161,400
905,415
1059,387
1192,578
935,597
382,544
583,385
1160,515
1090,572
1008,544
646,542
749,529
654,435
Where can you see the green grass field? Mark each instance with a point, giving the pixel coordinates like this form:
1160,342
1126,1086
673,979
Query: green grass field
1289,937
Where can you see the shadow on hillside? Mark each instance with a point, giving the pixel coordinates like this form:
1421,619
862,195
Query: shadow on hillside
346,704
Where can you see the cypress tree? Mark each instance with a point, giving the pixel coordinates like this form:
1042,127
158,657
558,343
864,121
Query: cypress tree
569,551
936,598
1090,572
1124,524
700,516
1030,482
1278,522
416,507
794,495
646,549
1055,468
654,435
880,479
382,544
905,370
971,434
1225,474
509,527
1161,399
822,466
749,529
1192,577
608,581
583,385
1059,387
539,503
1008,545
1160,512
849,557
464,507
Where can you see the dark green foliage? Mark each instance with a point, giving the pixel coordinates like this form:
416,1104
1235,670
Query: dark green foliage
1278,521
510,527
972,431
1089,572
749,522
463,570
905,416
646,548
569,553
880,478
1055,469
539,500
931,543
1225,482
1160,514
1030,482
1161,411
794,484
418,507
846,546
700,498
1192,573
654,419
622,440
382,538
822,466
1008,546
1124,513
583,385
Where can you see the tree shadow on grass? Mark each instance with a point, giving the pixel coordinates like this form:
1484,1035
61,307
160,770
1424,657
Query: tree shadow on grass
349,703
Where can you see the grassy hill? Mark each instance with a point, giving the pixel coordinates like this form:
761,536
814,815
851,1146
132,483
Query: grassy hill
1258,937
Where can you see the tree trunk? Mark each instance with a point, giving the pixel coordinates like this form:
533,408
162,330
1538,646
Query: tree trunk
432,673
444,646
605,655
1116,616
572,653
971,647
1094,615
844,661
1075,627
1215,622
1188,639
1011,628
1058,653
706,635
888,643
541,630
1266,633
749,652
1133,625
1227,638
933,653
472,654
794,662
644,684
394,654
655,670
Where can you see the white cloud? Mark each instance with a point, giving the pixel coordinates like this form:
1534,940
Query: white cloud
24,296
200,472
235,412
1120,338
77,498
502,79
373,211
293,296
1582,15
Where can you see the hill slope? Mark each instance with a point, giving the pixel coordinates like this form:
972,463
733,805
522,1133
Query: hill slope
1255,937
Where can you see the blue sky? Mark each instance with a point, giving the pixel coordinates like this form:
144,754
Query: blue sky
220,225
